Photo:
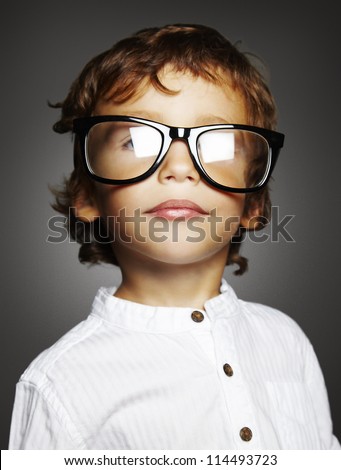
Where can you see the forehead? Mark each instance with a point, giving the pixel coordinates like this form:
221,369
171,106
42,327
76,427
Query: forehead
186,102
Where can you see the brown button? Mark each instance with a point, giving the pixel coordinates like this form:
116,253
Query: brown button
197,316
228,370
246,434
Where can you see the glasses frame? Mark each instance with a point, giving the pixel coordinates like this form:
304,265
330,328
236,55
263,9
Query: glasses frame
275,140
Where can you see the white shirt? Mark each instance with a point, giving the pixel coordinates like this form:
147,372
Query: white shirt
133,376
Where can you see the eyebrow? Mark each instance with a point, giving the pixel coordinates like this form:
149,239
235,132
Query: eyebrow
153,116
205,119
212,119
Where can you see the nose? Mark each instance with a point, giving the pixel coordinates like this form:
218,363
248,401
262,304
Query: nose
177,165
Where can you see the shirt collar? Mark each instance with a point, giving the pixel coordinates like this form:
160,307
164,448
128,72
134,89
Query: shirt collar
139,317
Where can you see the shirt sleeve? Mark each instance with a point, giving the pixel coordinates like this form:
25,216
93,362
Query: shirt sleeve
318,392
40,422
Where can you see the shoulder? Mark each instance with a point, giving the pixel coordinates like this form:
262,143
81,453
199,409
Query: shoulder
265,312
256,315
271,321
63,354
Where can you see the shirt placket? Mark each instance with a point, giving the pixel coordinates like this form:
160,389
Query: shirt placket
238,399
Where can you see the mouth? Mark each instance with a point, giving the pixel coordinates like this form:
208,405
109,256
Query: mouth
177,208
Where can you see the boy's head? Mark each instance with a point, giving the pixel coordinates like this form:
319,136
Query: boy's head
122,75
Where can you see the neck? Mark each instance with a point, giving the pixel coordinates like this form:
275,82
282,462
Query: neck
163,284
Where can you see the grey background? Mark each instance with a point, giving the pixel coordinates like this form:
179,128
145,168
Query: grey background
45,290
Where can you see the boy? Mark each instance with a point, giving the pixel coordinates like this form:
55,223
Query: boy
174,146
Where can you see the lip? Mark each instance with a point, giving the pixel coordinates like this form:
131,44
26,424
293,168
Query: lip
177,208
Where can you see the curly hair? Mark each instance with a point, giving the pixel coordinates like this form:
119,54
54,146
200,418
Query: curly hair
119,73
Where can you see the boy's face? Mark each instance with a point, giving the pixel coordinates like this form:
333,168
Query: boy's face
178,232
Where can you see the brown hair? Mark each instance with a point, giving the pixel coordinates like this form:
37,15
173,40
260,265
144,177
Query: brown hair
118,74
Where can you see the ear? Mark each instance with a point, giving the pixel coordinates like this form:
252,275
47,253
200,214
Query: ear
252,219
86,208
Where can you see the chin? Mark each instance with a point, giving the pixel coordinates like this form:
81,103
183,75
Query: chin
181,254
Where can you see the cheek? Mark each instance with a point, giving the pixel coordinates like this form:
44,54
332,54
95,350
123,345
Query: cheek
230,205
113,199
229,213
120,209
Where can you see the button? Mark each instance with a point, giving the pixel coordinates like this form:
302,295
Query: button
246,434
228,370
197,316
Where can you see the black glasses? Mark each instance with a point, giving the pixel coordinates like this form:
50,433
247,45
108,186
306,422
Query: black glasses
231,157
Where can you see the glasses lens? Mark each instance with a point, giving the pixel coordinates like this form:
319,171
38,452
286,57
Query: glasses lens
235,158
122,150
